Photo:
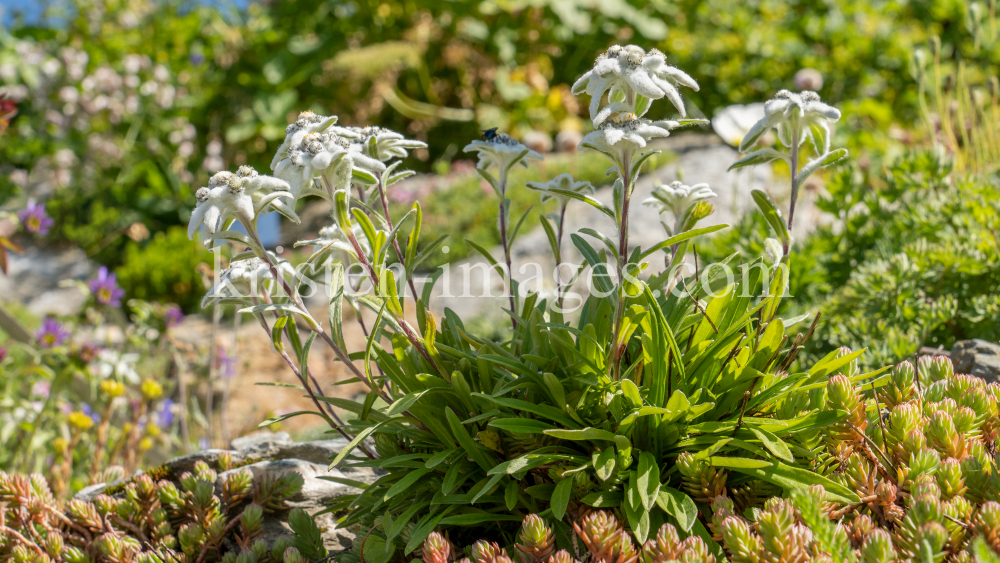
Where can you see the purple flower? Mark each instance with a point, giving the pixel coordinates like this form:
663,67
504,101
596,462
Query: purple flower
173,316
105,288
203,444
34,219
52,333
226,364
166,415
3,354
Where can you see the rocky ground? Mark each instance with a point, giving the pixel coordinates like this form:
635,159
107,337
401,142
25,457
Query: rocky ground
275,454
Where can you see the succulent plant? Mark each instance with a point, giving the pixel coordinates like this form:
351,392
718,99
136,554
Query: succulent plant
156,522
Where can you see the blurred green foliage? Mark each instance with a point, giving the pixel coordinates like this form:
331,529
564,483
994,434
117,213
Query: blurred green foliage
214,87
911,259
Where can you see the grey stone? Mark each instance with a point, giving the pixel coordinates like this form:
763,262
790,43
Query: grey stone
89,493
977,357
313,497
179,465
258,438
33,279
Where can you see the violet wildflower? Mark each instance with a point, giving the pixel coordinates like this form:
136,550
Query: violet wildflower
3,354
166,415
34,219
52,333
105,288
226,364
173,316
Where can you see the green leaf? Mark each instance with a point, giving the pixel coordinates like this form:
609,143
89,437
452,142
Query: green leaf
648,480
772,215
510,494
762,156
828,159
586,199
468,444
773,444
678,505
521,425
679,238
631,393
786,477
406,482
604,463
604,499
560,497
581,435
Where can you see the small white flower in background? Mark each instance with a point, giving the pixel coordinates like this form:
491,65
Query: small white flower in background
241,196
110,363
625,131
388,144
802,112
308,122
677,197
624,70
732,123
560,182
502,150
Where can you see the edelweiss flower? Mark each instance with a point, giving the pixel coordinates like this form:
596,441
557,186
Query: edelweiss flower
243,279
625,132
733,122
560,182
624,70
387,144
308,122
326,155
502,150
231,195
803,111
677,197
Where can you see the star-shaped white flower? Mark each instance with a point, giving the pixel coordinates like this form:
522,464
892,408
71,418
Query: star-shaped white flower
630,69
560,182
501,150
787,111
241,196
378,142
326,155
332,237
243,279
677,197
308,122
622,132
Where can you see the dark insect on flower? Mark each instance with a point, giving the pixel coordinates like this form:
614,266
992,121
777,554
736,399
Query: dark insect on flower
489,134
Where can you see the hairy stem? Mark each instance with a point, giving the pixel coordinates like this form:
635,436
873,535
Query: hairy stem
618,351
506,244
794,165
395,240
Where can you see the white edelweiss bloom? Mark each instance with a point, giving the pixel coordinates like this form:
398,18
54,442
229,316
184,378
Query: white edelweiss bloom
560,182
332,237
621,70
677,197
240,196
627,131
327,155
502,150
388,144
242,279
308,122
803,111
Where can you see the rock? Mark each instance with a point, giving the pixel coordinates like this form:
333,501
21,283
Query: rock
977,357
313,497
89,493
257,438
33,278
179,465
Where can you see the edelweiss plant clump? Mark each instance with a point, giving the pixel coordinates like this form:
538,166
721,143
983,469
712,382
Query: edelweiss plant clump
670,401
